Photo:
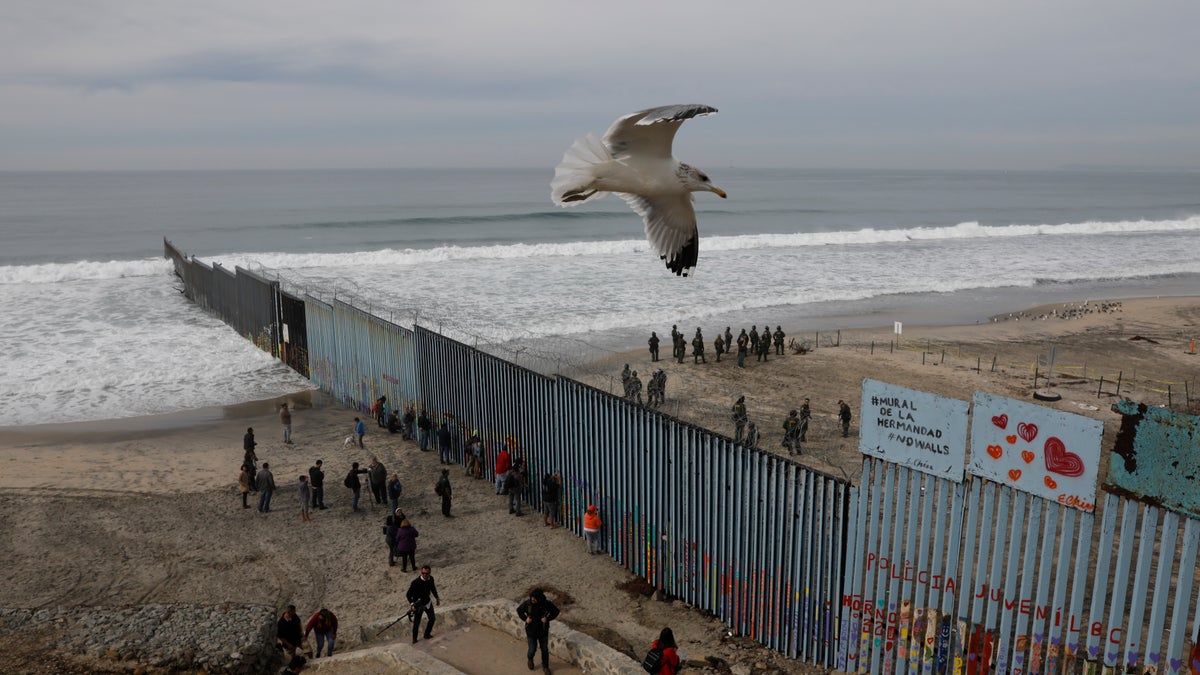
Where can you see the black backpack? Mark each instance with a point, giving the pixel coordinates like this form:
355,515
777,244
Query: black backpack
653,660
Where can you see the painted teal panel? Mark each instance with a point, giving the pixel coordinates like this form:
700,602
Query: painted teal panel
1156,458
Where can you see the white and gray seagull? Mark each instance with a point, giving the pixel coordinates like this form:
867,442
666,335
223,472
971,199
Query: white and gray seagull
634,160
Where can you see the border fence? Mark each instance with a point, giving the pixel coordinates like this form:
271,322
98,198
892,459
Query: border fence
930,565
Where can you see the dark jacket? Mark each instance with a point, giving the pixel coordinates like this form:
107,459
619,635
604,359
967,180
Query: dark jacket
352,480
543,608
550,489
290,630
248,441
316,477
420,590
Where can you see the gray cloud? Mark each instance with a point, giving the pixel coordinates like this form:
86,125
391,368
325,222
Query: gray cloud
99,84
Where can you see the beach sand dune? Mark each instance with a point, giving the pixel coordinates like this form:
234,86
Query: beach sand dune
146,510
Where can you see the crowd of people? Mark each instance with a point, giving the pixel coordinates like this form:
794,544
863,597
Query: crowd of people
747,342
512,481
795,425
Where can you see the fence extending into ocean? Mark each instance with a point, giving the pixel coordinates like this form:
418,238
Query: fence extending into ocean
931,565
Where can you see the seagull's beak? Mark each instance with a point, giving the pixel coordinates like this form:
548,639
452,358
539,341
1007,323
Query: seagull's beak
719,191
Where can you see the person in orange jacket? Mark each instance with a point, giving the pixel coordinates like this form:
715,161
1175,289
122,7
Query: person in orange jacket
591,528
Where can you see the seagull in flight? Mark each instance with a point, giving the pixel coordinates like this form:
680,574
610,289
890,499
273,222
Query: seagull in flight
634,160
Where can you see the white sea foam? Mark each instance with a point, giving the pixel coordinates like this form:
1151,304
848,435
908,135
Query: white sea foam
52,273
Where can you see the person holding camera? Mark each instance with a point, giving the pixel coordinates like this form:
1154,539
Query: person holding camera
419,602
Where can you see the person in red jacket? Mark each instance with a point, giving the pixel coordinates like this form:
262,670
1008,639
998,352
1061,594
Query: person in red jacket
669,665
503,464
324,624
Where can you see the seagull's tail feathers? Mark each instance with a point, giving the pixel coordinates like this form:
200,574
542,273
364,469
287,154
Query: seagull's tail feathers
575,175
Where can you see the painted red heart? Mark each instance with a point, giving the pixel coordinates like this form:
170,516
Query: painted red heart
1014,474
995,451
1028,456
1061,462
1011,439
1050,483
1027,431
1000,421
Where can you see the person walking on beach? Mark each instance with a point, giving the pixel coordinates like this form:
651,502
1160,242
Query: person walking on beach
442,489
244,485
591,528
325,624
352,481
406,544
285,420
843,415
377,479
424,426
653,342
668,660
739,416
305,494
316,480
551,495
266,486
805,417
778,335
287,631
248,443
360,430
537,612
419,592
445,444
393,492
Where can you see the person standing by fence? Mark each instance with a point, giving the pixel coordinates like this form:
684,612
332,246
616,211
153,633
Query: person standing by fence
503,464
739,416
591,528
551,494
445,444
424,427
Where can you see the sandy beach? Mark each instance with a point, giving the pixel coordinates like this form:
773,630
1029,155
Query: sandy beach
146,510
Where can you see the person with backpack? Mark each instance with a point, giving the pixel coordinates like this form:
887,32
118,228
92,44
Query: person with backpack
442,489
537,612
663,657
394,489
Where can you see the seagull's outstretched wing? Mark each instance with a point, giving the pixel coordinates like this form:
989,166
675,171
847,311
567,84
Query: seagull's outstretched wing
649,133
670,227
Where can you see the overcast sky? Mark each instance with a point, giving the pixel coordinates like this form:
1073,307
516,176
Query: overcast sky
166,84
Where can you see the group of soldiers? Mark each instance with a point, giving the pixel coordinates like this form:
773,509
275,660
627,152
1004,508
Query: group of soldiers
747,343
795,425
655,390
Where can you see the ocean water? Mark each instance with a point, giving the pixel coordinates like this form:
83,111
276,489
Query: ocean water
94,325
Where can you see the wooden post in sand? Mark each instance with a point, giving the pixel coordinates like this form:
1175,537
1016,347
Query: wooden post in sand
839,338
979,364
943,357
993,363
1120,374
872,348
1035,375
1100,389
1169,406
892,347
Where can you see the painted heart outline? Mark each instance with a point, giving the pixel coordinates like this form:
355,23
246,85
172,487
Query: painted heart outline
1028,431
1000,420
1060,461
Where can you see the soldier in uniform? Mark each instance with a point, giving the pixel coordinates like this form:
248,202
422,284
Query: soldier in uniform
764,346
805,416
634,390
698,348
743,344
779,340
680,347
844,416
728,339
652,390
719,347
754,338
791,432
675,334
751,435
739,419
662,386
625,379
653,342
